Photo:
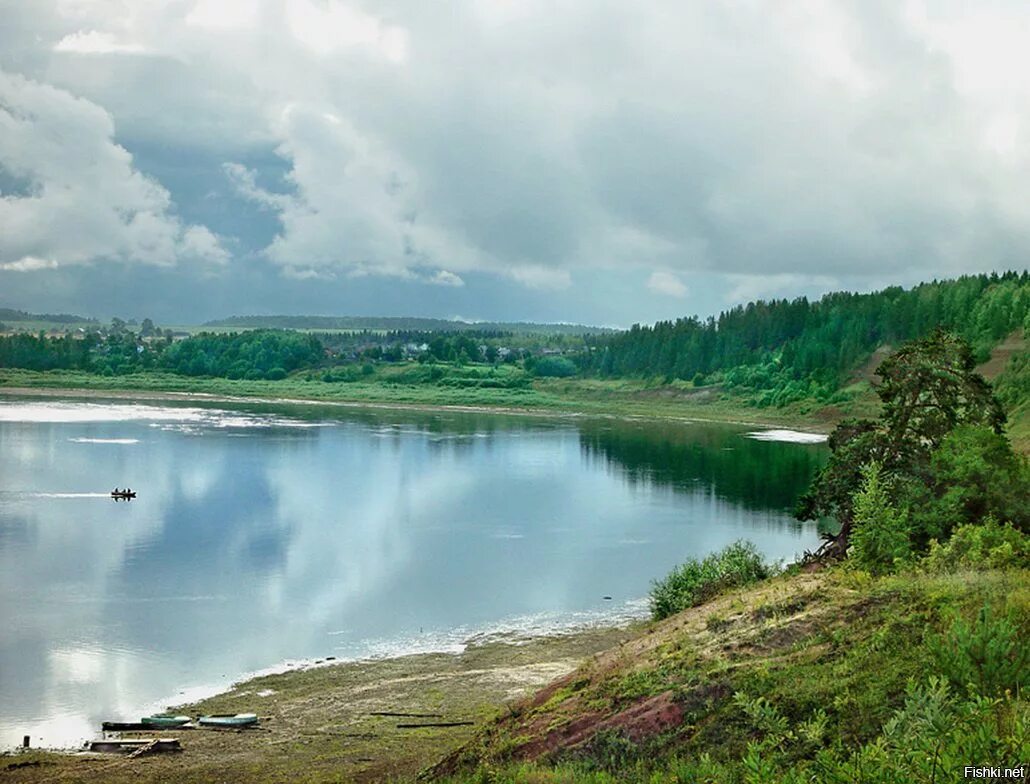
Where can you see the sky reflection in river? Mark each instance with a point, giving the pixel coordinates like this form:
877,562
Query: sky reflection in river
265,535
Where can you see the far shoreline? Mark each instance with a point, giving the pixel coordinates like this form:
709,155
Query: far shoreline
803,424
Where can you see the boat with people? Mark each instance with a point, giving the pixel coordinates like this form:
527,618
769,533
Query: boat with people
123,495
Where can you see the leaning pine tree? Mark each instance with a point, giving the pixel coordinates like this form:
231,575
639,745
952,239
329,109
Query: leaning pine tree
928,388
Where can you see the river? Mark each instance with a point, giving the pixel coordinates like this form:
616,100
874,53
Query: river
268,535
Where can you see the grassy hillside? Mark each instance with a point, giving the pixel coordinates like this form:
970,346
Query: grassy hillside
834,655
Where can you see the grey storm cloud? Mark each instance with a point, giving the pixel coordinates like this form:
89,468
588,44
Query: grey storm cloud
564,148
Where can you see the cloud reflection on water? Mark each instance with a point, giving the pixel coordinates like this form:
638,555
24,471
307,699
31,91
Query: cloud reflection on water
365,536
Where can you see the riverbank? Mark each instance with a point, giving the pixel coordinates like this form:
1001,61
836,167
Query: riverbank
547,397
836,651
340,722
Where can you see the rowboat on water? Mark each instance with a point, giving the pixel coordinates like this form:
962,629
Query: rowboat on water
162,720
123,495
228,720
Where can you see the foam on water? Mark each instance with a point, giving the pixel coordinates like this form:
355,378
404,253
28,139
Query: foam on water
162,416
104,440
788,436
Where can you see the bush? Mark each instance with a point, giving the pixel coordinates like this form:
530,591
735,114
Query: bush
556,367
880,537
988,546
974,473
694,582
987,658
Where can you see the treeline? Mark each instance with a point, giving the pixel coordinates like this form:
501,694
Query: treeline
32,352
793,349
400,324
260,354
9,314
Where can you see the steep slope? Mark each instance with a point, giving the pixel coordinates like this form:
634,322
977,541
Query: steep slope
835,642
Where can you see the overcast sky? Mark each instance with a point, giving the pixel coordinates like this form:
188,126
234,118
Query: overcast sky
576,160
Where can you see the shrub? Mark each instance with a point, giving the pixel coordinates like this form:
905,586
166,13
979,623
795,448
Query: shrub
988,546
987,657
694,582
974,473
880,537
557,367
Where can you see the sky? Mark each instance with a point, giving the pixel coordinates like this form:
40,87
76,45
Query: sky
586,161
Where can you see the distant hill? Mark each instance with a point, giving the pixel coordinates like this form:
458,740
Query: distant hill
9,314
784,351
399,324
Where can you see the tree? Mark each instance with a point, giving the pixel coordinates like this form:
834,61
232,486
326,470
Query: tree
930,387
880,538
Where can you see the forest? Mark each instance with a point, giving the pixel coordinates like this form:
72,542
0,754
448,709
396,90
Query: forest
793,349
769,353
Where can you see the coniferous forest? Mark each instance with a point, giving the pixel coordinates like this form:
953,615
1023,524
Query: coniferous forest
793,349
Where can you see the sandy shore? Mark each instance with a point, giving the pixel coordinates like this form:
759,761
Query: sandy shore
341,722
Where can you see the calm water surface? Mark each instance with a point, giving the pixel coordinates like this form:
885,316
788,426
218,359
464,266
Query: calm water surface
263,536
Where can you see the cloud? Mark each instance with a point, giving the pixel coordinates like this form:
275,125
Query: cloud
81,199
770,147
663,282
28,264
95,42
445,278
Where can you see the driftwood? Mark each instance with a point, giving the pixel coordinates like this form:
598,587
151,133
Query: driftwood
136,747
436,724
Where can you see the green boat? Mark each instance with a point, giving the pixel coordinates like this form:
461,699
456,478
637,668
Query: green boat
228,720
162,720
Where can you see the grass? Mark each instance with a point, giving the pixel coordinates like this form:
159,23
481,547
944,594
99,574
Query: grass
839,648
770,675
508,389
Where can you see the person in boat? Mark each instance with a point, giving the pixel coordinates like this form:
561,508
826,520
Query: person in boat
116,491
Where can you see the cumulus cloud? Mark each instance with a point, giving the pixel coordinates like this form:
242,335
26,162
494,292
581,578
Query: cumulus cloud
551,145
80,198
445,278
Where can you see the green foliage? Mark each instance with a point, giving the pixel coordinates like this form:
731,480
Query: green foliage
989,545
986,658
930,387
1013,384
880,537
254,355
938,447
554,367
973,475
791,350
694,582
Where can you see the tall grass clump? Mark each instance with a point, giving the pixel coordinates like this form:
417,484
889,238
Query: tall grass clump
695,582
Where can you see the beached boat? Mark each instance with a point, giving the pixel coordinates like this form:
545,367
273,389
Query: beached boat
161,720
228,720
